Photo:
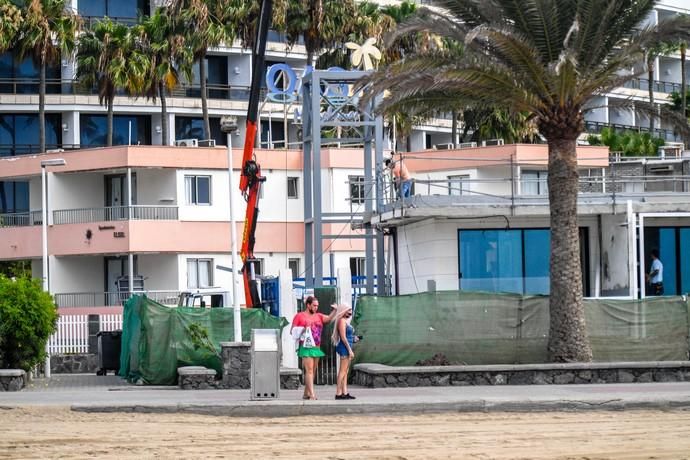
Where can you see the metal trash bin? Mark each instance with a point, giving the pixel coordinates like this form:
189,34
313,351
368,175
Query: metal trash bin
109,343
265,369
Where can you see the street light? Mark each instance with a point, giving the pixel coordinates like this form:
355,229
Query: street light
228,124
44,233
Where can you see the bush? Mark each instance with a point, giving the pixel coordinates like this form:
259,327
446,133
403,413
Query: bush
28,316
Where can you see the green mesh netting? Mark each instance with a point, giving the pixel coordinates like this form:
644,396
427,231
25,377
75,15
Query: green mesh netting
156,339
488,328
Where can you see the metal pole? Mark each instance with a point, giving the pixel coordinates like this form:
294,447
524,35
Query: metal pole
130,214
233,251
228,124
44,237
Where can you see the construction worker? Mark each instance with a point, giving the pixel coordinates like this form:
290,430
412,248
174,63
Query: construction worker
401,176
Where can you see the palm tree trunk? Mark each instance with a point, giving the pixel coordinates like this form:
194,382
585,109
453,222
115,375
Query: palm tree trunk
567,334
164,112
109,141
310,59
651,98
454,128
683,85
42,105
204,96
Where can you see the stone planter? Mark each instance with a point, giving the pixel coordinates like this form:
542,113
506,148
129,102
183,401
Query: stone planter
12,379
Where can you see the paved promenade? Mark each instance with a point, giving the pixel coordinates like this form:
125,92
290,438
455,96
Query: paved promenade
92,393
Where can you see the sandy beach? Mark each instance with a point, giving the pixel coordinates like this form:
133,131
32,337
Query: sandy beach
33,432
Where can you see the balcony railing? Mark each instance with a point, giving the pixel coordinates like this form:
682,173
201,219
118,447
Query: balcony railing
84,215
595,127
21,219
657,86
110,299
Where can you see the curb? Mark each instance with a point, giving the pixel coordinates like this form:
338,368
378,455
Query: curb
296,409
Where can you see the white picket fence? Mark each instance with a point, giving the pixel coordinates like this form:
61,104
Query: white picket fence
72,334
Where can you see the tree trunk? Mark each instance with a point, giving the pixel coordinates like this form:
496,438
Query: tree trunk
204,96
111,100
310,59
164,112
42,105
683,85
454,129
568,340
651,98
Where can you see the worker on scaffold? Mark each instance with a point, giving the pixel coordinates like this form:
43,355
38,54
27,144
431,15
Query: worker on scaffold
401,176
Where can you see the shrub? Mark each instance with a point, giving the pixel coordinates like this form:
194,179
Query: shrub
28,316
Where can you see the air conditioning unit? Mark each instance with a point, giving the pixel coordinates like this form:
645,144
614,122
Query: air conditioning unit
467,145
207,143
443,146
187,142
660,168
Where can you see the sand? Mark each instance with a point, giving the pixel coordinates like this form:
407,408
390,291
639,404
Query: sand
60,433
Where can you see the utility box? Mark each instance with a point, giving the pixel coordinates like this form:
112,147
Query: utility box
265,369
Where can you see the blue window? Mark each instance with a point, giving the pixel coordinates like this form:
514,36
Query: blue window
193,128
93,130
19,133
14,197
673,244
514,260
117,9
21,76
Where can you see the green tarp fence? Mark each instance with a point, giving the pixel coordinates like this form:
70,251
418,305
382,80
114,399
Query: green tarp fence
489,328
156,339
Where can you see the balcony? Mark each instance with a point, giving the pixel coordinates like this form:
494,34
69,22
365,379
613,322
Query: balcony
595,127
110,299
86,215
657,85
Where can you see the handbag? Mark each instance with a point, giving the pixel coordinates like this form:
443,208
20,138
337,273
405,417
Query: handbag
307,338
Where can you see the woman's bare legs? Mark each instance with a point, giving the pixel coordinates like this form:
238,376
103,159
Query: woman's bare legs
309,370
341,382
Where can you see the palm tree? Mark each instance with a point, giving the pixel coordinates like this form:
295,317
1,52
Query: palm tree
322,24
548,58
10,24
109,60
200,25
48,32
158,41
683,85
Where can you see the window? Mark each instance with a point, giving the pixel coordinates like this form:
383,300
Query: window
357,193
199,273
93,130
293,264
534,182
19,133
292,187
258,267
14,197
358,266
118,9
193,128
457,185
197,190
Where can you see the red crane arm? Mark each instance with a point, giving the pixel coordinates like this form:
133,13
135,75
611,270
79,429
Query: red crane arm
250,176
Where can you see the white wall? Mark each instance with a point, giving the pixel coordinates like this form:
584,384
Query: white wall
219,210
157,187
275,206
73,191
159,270
600,113
77,274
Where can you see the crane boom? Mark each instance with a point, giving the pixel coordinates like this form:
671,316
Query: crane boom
250,176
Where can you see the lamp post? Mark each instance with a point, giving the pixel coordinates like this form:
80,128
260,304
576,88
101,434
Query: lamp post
44,234
228,124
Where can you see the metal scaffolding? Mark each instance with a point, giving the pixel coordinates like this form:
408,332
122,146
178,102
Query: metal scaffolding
331,108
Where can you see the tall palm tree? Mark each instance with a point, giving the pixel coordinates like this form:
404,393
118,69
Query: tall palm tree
683,84
48,32
548,58
10,24
200,25
322,24
157,40
109,59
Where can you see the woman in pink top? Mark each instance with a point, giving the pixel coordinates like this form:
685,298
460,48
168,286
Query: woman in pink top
312,321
